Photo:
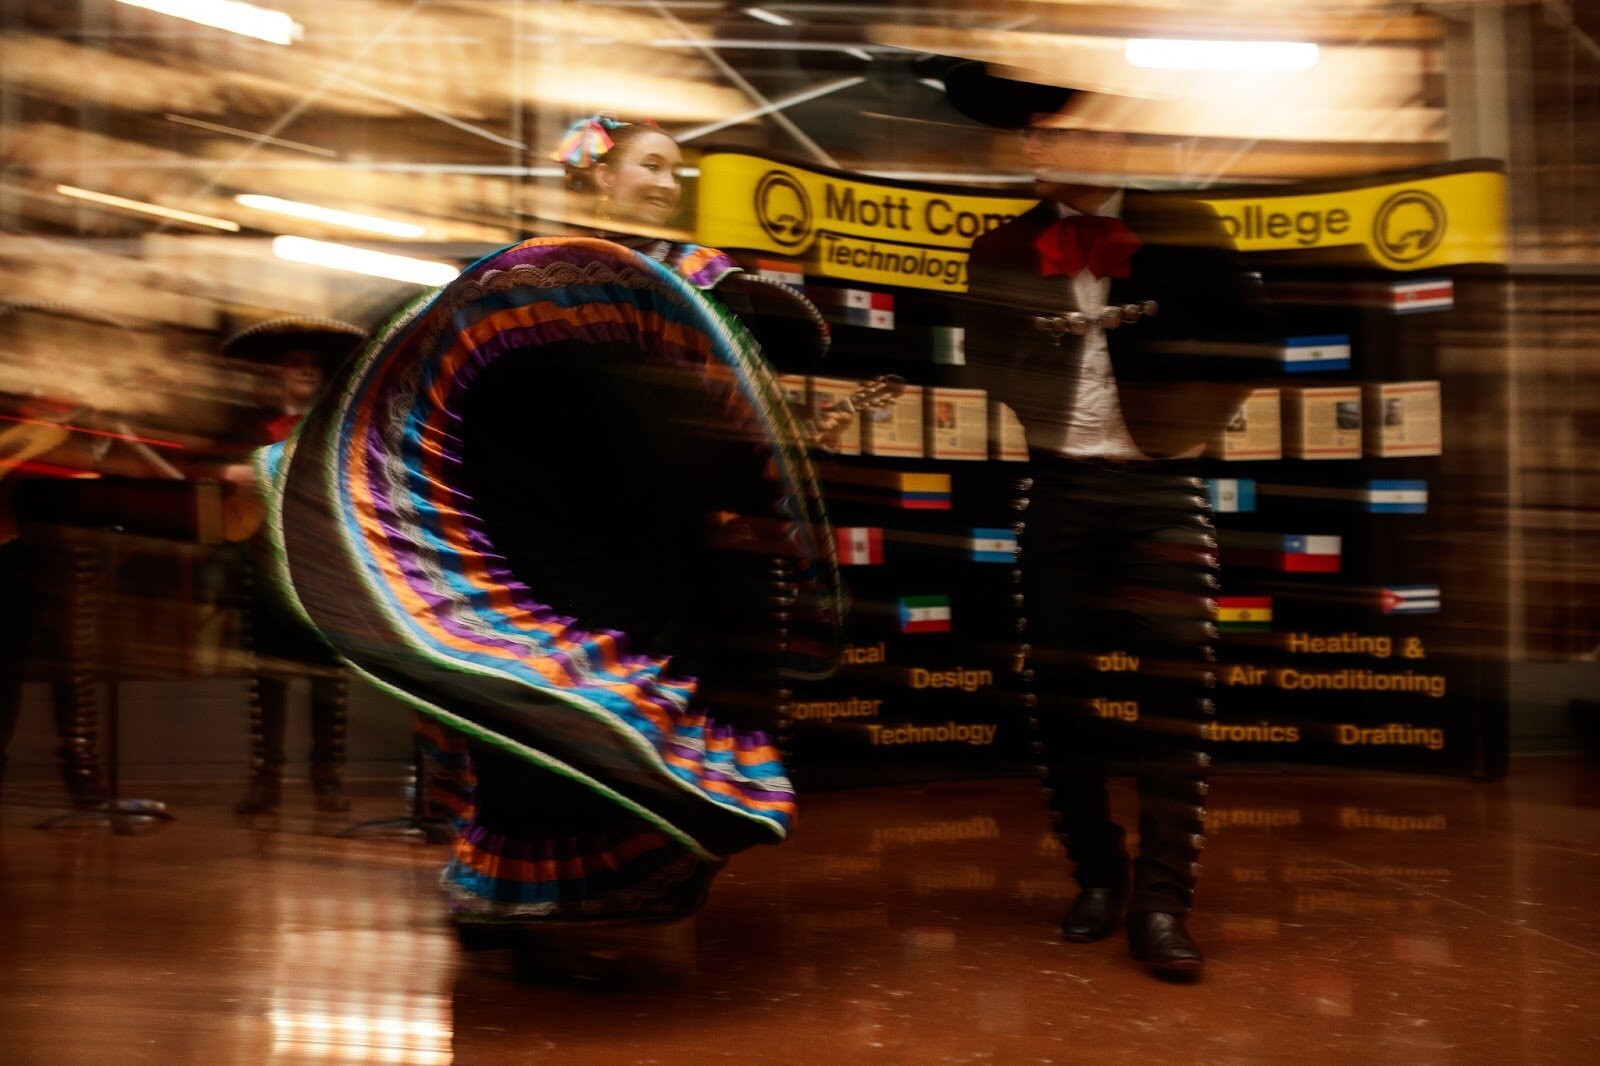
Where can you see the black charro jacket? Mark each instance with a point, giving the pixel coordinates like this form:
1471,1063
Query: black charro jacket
1180,374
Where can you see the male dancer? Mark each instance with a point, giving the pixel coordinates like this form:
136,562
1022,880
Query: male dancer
1096,316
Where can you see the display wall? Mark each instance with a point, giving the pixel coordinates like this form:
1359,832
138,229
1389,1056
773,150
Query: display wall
1343,602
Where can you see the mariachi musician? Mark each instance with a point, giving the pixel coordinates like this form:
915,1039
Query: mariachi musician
1119,326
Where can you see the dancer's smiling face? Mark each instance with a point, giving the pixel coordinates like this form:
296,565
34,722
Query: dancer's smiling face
640,178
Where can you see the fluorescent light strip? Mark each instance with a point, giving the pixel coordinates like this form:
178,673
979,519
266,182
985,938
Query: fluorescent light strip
279,142
248,20
771,107
768,16
146,208
860,53
951,177
1262,56
332,216
753,45
363,261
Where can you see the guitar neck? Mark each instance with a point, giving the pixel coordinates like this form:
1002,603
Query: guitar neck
812,429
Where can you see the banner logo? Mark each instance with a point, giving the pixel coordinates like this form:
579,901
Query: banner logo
784,209
1409,225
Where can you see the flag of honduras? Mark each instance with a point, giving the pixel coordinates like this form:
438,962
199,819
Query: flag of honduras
859,545
1397,497
1409,599
925,614
1424,294
1303,355
1232,495
792,274
1244,614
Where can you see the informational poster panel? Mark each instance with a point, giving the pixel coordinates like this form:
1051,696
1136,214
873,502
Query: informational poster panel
1341,607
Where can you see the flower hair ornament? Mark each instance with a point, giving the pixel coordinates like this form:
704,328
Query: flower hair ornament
587,140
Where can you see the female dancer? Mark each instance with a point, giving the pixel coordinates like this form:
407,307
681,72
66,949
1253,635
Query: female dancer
560,507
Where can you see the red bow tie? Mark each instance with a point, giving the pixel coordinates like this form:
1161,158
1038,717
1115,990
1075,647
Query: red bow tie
1099,243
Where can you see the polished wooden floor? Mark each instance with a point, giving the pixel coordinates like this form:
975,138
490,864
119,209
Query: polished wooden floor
1348,919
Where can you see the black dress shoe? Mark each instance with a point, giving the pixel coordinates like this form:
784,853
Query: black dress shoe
1094,915
1162,941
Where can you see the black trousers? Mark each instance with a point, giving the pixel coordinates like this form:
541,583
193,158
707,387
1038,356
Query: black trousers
1120,577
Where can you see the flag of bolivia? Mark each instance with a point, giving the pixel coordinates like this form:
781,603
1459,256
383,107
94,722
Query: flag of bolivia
1244,614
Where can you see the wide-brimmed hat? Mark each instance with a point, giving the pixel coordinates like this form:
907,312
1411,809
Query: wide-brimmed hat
266,342
974,89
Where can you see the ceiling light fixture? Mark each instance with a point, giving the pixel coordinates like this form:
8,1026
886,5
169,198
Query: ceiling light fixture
147,208
262,23
1261,56
363,261
330,215
768,16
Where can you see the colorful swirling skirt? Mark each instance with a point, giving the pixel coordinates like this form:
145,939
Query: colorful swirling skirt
517,510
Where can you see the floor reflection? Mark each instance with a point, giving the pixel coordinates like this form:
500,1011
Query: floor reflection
1398,920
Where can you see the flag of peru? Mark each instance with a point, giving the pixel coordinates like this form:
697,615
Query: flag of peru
859,545
925,614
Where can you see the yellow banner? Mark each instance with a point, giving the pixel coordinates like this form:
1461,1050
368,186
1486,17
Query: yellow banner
899,234
845,228
1430,222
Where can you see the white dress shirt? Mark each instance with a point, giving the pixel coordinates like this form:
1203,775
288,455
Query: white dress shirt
1094,428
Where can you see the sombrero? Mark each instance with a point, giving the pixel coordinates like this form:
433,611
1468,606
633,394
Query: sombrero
264,342
975,90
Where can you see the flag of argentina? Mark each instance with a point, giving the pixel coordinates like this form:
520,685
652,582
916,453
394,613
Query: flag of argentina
1318,353
1397,497
1409,599
993,546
